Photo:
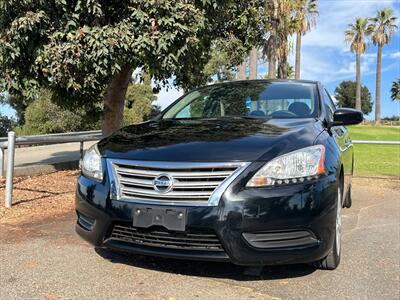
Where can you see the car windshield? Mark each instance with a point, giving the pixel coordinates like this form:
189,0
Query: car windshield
248,99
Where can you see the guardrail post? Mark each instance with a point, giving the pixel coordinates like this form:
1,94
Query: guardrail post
81,149
1,162
10,169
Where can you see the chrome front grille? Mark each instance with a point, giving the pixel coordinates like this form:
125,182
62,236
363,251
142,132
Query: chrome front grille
191,182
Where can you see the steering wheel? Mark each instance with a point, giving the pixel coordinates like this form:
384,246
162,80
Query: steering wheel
283,114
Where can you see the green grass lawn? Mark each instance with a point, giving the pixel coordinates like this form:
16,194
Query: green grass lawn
376,160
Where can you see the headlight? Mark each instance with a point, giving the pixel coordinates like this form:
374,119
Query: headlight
91,164
293,167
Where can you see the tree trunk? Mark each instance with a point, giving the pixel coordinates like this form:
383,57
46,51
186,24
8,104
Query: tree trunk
358,81
253,64
283,68
273,41
378,86
241,73
271,67
298,53
114,100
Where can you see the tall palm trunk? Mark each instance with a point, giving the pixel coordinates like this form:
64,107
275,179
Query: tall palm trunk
358,81
378,86
241,73
271,67
298,53
253,64
114,100
283,67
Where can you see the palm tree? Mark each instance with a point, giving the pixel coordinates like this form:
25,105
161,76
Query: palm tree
382,28
287,27
271,29
279,24
290,72
253,63
306,18
395,90
356,35
241,72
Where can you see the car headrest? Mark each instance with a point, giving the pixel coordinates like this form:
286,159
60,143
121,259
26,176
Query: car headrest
257,113
300,109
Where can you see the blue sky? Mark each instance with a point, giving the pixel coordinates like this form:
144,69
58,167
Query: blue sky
326,56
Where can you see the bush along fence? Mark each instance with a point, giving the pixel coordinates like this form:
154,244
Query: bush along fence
84,136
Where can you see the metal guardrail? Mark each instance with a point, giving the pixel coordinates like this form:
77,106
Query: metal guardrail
55,138
376,142
83,136
10,142
49,139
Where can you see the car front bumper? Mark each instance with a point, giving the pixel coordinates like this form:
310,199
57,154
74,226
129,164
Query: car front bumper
263,226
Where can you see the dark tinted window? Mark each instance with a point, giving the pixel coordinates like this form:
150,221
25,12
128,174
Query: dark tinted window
258,99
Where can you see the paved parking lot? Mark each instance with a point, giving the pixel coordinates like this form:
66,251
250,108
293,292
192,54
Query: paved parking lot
47,260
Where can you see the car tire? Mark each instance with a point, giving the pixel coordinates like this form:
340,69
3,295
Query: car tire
332,260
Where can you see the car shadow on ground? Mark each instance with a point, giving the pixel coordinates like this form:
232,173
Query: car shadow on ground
206,269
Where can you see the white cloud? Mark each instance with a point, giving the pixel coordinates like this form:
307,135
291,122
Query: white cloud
395,55
335,15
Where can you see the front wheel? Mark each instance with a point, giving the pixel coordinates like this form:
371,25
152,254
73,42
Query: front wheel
332,260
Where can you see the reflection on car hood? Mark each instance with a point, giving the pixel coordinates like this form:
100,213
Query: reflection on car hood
210,140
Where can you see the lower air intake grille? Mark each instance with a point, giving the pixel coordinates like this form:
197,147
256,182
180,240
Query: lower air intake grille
159,237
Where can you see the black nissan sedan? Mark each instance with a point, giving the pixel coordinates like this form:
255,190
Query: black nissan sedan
249,172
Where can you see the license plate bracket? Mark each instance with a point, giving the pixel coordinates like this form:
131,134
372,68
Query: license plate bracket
145,216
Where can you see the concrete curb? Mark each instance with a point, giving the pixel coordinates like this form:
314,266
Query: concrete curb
41,169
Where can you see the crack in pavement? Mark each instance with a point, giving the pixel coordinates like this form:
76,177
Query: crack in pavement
369,227
245,288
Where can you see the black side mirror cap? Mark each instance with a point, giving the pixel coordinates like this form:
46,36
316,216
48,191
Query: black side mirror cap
347,116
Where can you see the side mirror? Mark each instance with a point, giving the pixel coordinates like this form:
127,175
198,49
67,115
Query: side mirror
347,116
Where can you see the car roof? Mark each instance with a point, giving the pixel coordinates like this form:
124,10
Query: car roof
271,80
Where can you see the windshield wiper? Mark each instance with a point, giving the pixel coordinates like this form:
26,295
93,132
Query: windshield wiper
249,117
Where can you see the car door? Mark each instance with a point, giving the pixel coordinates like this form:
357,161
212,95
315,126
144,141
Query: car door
343,140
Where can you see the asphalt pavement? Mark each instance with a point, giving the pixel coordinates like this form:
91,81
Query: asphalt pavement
47,260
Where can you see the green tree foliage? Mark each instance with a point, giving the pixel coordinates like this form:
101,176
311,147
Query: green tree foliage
392,118
395,90
6,124
345,94
44,116
86,49
278,23
139,103
19,104
226,54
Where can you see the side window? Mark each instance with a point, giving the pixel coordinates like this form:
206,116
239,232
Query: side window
329,106
192,110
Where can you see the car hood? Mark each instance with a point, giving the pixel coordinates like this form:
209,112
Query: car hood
227,139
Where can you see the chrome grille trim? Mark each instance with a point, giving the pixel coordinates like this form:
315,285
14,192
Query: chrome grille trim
195,183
